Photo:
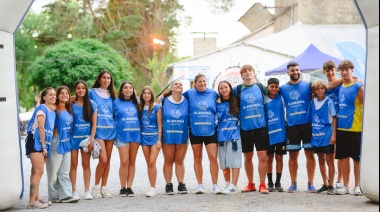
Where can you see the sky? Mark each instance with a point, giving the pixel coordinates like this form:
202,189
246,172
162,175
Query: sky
225,27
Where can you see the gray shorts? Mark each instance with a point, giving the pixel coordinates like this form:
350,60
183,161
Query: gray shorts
118,143
229,158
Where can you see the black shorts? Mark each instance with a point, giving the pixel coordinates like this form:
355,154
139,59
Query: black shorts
258,137
279,149
330,149
296,134
29,146
348,144
203,139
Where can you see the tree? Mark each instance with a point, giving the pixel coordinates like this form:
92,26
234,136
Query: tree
68,62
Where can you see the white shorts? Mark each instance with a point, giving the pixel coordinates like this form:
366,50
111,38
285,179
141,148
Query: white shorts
229,158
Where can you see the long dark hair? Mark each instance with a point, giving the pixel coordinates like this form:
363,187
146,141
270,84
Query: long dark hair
87,106
142,101
234,107
110,88
133,97
67,104
43,93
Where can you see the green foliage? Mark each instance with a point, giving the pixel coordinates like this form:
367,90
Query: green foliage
68,62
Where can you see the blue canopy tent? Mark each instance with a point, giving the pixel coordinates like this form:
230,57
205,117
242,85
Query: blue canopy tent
310,59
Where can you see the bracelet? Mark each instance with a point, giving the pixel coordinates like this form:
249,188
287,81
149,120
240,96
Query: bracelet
159,139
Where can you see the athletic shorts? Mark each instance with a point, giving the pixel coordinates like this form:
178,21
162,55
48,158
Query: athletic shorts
256,137
29,146
228,158
330,149
118,143
348,144
296,134
279,149
203,139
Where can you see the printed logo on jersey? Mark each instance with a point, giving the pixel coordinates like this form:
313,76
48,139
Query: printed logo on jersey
81,118
68,121
341,98
130,111
145,120
105,109
316,119
250,98
270,114
294,95
175,113
202,105
51,124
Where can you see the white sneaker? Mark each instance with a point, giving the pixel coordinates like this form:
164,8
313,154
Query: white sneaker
105,193
357,191
226,185
342,190
232,189
88,195
96,192
75,195
338,185
216,190
151,192
200,190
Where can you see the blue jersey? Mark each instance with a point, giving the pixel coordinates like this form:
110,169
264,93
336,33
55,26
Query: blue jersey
347,96
63,122
127,121
202,111
49,128
228,125
81,127
321,113
333,95
252,113
149,126
105,126
297,99
274,108
175,121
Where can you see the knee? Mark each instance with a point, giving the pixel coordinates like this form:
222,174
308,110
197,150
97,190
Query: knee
179,163
124,163
198,159
152,164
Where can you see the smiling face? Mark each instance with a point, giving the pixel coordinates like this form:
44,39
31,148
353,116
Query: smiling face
63,96
346,74
330,73
320,92
200,84
147,96
105,81
294,73
50,97
80,90
273,89
127,90
224,90
177,87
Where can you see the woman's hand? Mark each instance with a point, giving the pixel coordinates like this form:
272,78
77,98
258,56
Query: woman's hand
44,152
91,145
159,144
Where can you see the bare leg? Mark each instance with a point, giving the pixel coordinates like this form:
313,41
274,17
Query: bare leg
212,152
310,165
132,163
169,155
248,165
293,165
124,162
198,169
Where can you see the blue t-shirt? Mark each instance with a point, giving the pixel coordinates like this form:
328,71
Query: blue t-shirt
127,121
321,113
175,121
63,122
202,111
228,125
149,126
274,109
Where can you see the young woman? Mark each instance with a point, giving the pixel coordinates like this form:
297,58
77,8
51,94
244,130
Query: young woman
151,133
230,153
38,141
202,101
128,135
58,165
84,114
175,117
103,94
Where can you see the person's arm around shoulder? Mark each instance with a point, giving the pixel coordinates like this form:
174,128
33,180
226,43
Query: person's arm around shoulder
335,83
159,124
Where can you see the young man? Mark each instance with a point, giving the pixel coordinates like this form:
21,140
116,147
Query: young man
323,124
254,130
297,97
350,114
274,108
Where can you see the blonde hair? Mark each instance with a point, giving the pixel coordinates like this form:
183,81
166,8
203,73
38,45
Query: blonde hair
317,84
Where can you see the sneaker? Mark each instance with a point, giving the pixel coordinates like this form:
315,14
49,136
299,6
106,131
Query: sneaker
200,190
226,185
311,188
37,205
96,192
123,192
75,195
182,188
49,203
130,192
57,201
263,189
271,187
292,188
322,189
342,190
216,190
338,185
151,192
232,189
357,191
105,193
88,195
169,189
69,200
249,188
278,187
331,190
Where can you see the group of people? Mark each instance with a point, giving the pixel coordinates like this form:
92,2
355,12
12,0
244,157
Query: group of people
229,123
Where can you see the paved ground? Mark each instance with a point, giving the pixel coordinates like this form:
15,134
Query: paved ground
274,201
